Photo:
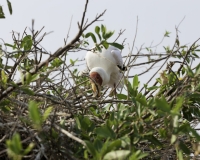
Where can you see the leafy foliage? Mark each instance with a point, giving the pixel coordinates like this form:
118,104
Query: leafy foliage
14,148
103,36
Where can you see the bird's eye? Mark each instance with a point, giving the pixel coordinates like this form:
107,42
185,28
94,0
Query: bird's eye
101,46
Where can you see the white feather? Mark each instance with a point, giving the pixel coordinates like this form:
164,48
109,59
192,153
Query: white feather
105,63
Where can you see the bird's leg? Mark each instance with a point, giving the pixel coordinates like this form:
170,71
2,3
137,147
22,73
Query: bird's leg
115,93
99,90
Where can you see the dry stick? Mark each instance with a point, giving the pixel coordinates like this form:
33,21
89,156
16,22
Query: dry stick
65,42
161,65
73,88
131,51
38,32
119,34
34,41
59,52
157,44
27,51
152,54
147,69
70,135
13,69
143,63
18,102
150,95
186,55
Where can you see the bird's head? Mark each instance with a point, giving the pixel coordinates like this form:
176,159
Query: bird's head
96,82
98,78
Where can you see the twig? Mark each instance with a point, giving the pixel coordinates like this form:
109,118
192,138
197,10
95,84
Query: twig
70,135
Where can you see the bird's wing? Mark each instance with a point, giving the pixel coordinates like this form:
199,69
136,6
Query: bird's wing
118,57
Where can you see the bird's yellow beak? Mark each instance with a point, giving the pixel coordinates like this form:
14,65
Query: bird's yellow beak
96,92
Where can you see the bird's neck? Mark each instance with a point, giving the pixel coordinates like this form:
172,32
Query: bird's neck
106,78
104,75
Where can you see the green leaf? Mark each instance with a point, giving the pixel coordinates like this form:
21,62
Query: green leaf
177,42
29,148
34,115
194,132
97,30
162,104
141,99
17,142
108,35
180,155
103,30
119,155
178,105
119,46
190,72
197,71
110,146
4,78
129,87
135,82
105,44
184,148
153,88
98,48
125,141
167,34
27,43
1,12
78,123
184,128
175,121
28,78
90,34
56,62
84,123
72,62
27,90
121,96
98,144
91,148
142,155
173,138
9,6
47,113
137,155
4,102
9,45
14,145
105,131
154,140
35,77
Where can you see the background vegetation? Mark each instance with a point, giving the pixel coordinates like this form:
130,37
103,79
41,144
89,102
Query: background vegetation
48,112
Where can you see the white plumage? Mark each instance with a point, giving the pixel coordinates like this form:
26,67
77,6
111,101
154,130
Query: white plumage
103,66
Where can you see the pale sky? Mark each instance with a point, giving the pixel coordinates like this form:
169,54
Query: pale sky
155,17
